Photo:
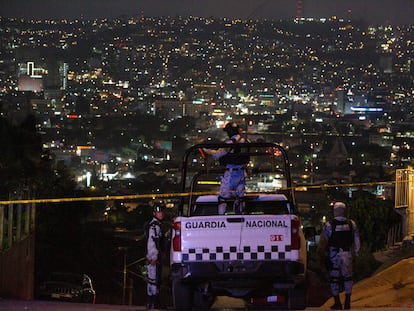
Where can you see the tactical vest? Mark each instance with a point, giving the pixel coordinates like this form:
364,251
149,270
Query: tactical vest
342,234
233,156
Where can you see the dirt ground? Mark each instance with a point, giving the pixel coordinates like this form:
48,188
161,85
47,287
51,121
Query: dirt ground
391,286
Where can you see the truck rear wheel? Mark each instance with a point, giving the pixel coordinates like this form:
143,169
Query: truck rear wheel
182,296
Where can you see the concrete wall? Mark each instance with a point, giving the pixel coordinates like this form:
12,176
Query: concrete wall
17,270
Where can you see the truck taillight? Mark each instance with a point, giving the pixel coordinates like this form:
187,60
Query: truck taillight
294,237
177,236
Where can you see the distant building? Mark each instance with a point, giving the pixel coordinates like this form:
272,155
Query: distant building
386,63
30,78
364,103
174,108
28,83
56,77
340,95
45,106
51,78
338,154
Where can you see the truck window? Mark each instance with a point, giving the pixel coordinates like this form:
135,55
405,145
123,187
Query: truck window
251,208
268,207
205,209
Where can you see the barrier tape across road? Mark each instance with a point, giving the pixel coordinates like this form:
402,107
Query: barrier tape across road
176,194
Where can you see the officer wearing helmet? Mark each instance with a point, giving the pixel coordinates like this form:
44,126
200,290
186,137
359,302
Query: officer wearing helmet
233,181
154,243
342,237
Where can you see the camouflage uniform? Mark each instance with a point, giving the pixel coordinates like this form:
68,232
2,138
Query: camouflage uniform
233,181
343,244
153,256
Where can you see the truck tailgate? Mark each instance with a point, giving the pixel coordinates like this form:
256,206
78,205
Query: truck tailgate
267,237
236,237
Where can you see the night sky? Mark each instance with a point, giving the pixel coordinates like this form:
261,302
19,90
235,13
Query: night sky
373,11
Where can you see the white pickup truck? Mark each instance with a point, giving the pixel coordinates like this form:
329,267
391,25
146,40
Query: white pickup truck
258,255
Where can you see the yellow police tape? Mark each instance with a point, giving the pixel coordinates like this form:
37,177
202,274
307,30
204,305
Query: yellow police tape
176,194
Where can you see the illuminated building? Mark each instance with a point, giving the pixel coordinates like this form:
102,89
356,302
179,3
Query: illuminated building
30,77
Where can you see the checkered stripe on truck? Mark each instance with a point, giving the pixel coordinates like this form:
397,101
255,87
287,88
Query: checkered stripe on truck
233,253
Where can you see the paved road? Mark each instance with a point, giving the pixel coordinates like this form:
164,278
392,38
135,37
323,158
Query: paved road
20,305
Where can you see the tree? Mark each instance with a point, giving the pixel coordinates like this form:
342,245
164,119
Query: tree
20,159
374,217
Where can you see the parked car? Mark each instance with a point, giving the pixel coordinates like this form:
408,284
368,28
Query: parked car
67,287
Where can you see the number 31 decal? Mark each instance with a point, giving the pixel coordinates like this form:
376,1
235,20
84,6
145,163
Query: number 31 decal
276,238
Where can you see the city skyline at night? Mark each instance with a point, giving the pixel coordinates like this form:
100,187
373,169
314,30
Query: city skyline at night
378,12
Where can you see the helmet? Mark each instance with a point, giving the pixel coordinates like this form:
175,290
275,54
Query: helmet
157,208
232,129
339,209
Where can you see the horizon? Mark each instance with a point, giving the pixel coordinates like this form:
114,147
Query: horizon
375,12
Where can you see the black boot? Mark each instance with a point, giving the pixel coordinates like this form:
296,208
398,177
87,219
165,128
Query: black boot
347,304
150,302
337,304
157,302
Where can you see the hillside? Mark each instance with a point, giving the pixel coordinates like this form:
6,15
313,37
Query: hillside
391,286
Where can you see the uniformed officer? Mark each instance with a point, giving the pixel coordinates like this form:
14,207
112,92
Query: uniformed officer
154,243
343,243
233,181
